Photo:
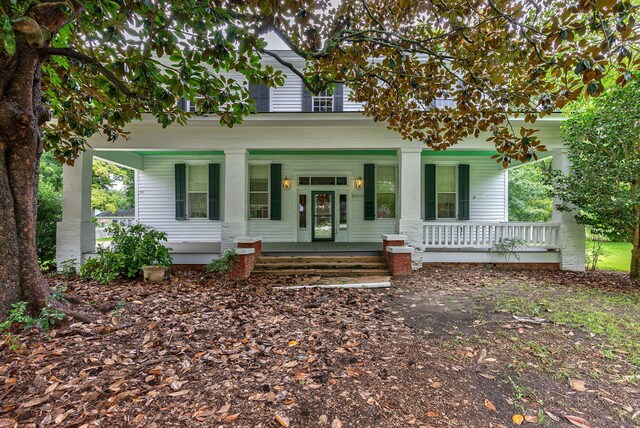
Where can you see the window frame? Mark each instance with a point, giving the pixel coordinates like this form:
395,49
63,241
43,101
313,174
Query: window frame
324,95
395,193
455,193
268,192
188,192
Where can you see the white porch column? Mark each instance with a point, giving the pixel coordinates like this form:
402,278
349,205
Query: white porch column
76,233
571,235
410,223
235,196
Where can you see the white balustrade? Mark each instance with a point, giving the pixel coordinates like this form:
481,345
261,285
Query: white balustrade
487,235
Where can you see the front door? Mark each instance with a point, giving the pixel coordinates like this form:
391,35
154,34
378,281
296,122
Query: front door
322,214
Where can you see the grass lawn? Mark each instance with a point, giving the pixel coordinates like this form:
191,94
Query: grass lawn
617,256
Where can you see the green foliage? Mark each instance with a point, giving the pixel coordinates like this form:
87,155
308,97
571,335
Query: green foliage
225,263
49,213
594,251
19,317
603,138
530,195
131,248
69,267
112,187
508,247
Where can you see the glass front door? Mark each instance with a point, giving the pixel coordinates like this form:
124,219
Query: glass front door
323,216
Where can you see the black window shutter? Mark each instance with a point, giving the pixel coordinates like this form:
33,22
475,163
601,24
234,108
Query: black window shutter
276,192
338,98
307,100
214,191
260,93
369,191
182,103
463,192
430,192
181,191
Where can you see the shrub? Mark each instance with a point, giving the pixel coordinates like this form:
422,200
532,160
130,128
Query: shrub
18,316
131,248
225,263
49,213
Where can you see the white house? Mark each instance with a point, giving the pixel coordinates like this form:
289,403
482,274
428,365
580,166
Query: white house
312,173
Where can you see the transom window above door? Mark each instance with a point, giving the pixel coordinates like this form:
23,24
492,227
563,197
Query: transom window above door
322,181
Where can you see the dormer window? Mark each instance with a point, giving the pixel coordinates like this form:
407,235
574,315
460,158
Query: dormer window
323,102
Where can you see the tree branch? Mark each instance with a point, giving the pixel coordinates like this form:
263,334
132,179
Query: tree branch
86,59
291,67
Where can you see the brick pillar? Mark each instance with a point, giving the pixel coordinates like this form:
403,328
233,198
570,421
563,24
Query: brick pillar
250,242
399,260
393,241
245,260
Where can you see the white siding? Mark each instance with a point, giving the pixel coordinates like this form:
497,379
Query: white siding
156,199
348,104
288,97
488,186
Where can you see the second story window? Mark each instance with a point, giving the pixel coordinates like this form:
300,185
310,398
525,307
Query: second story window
323,102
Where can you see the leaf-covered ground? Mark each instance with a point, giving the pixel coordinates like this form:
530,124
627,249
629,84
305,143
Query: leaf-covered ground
439,349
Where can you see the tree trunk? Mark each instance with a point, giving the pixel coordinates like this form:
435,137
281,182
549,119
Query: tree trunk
21,114
634,271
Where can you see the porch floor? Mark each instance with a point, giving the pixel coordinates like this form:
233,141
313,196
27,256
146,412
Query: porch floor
315,248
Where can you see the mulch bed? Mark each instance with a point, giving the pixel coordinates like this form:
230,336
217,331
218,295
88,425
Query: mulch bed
196,351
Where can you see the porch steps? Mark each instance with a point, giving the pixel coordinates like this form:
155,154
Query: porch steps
326,266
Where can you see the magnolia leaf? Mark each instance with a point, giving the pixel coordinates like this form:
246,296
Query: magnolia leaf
577,421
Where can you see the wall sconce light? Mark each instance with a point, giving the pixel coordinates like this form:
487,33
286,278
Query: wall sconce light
359,183
286,183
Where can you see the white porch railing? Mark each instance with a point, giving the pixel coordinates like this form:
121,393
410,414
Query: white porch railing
486,234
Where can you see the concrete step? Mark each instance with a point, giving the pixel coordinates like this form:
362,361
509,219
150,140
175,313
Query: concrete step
320,259
317,265
322,272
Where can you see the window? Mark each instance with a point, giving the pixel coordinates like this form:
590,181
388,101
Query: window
322,181
446,192
302,211
343,212
323,101
258,191
386,191
197,191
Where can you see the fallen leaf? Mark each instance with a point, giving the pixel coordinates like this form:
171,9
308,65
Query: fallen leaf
489,405
290,364
436,385
300,376
577,421
324,419
231,418
336,423
283,420
517,419
552,416
432,414
578,385
293,342
7,423
531,419
224,409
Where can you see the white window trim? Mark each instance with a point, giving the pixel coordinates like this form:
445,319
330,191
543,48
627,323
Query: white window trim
206,217
455,177
259,163
395,166
326,97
